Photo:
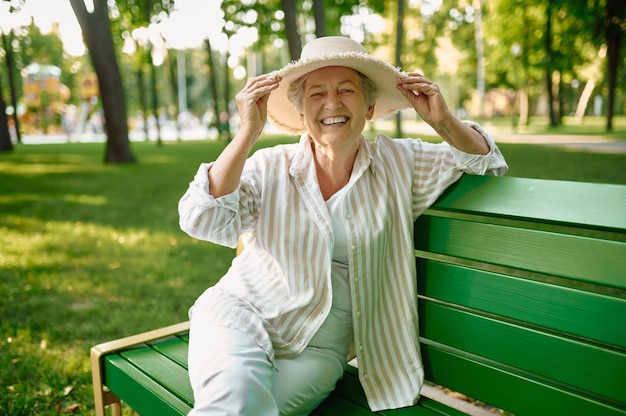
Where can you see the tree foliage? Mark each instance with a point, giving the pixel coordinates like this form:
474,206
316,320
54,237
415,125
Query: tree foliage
582,55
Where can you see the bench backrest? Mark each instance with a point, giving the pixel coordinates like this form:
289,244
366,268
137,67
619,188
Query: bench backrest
522,294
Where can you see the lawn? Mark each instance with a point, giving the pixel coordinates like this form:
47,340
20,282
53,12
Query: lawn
91,252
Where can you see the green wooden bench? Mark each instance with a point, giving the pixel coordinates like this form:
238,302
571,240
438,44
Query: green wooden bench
522,300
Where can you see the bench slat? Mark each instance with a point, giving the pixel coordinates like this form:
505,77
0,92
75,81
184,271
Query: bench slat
175,348
537,198
587,368
167,372
503,389
577,312
336,404
583,258
349,395
425,407
139,391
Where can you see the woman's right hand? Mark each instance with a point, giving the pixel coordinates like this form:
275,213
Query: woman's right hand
225,173
252,103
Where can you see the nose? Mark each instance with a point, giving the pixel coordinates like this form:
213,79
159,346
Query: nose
333,101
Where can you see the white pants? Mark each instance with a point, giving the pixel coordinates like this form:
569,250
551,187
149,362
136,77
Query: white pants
232,376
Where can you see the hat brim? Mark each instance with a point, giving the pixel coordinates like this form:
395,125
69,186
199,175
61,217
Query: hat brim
283,114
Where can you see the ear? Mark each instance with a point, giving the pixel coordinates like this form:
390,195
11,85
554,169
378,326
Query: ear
370,112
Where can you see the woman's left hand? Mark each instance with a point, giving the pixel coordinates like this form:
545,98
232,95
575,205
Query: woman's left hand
425,97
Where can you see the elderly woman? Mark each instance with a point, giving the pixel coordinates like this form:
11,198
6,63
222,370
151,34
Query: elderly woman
326,273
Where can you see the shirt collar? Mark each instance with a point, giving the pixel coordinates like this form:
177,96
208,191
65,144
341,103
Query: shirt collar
304,156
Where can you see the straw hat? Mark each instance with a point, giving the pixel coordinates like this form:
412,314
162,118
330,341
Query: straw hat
334,51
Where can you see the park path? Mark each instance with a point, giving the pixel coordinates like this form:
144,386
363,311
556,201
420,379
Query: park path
585,143
595,144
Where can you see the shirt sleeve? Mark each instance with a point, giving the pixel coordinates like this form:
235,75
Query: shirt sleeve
492,163
437,166
205,217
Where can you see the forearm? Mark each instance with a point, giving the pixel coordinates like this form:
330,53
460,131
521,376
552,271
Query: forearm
225,173
462,136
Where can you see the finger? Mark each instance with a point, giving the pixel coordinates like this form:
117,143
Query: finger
260,88
418,87
263,80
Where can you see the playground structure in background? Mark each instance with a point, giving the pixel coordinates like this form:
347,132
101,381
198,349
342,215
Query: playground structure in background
46,109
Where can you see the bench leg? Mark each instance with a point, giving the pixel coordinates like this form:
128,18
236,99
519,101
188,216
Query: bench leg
102,396
116,405
98,387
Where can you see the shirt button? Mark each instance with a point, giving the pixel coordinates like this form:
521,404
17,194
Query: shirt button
353,248
348,217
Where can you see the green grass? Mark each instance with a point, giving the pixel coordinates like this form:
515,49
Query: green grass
92,252
591,126
550,162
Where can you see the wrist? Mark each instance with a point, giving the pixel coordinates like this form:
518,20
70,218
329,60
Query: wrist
248,134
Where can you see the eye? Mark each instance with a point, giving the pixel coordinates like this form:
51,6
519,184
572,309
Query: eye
316,94
346,91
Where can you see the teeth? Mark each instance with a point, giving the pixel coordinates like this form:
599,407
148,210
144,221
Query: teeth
334,120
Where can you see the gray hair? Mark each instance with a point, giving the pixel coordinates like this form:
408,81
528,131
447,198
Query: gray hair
295,93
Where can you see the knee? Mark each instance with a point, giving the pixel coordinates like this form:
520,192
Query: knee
237,390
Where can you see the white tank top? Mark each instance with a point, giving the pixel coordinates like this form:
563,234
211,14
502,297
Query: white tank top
336,331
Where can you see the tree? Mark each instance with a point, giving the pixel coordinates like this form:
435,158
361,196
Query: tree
213,83
320,20
96,29
138,16
552,115
614,22
398,55
291,29
5,137
7,43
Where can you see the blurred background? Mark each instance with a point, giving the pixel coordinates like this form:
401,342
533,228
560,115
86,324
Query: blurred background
171,68
107,107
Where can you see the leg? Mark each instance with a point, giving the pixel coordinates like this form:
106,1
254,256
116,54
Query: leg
229,373
303,382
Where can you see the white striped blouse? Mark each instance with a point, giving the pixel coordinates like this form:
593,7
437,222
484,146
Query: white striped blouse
278,289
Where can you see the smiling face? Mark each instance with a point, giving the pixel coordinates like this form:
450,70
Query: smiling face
334,108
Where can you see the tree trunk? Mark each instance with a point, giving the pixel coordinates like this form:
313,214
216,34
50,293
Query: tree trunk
225,116
615,13
213,85
10,61
480,57
174,62
142,100
583,101
96,30
155,96
320,21
524,107
548,68
398,60
557,93
291,29
5,136
613,47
